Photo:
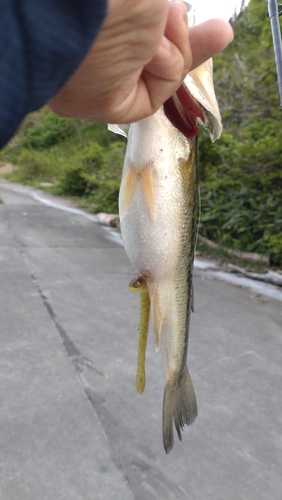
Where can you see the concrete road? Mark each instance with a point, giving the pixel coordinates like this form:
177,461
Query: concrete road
72,425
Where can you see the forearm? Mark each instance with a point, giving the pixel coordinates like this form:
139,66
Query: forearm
41,45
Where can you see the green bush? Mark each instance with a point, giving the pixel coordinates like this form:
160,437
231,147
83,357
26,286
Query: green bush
92,157
95,174
104,196
115,158
35,164
79,177
73,181
242,218
50,131
273,243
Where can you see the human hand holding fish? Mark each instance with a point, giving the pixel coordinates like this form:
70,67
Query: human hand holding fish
133,75
158,206
138,60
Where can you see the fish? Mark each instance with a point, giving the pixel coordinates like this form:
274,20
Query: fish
158,208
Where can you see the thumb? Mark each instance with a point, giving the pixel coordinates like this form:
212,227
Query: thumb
167,69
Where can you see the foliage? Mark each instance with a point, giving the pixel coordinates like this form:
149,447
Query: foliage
50,131
77,158
95,174
75,178
241,174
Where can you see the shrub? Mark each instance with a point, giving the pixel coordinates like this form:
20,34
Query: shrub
50,131
73,181
92,158
35,165
105,197
81,176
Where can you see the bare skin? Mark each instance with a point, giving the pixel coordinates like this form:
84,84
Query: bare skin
138,60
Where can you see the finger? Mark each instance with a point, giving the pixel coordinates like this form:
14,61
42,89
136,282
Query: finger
177,32
174,53
165,72
209,38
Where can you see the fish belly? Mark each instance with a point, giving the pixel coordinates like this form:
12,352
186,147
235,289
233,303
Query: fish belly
158,226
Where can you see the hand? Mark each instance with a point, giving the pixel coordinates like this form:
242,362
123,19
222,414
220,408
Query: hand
138,60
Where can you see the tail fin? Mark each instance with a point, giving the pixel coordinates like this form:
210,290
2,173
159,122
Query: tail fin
180,407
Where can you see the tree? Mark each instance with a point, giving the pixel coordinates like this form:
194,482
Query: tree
241,174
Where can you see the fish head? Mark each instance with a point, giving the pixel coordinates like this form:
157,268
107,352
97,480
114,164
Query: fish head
195,100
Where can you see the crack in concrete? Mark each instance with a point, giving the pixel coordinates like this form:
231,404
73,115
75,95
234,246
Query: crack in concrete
78,360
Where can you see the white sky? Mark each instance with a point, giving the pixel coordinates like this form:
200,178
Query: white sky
206,9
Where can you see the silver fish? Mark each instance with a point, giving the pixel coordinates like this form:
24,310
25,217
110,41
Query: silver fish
158,206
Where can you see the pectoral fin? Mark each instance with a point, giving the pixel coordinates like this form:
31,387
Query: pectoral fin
147,182
130,178
127,190
139,284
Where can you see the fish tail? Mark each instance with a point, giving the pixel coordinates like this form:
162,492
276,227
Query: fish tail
179,406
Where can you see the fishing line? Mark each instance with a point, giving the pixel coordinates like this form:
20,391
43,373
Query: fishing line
199,215
199,199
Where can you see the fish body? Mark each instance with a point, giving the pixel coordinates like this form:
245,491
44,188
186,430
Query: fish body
158,213
158,205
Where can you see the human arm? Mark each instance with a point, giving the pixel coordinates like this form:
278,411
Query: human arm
42,43
138,60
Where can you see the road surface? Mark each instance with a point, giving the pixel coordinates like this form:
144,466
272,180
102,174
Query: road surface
71,423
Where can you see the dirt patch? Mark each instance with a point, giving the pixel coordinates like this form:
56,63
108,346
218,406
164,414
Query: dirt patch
8,168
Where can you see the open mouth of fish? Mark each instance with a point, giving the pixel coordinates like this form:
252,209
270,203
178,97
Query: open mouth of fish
182,111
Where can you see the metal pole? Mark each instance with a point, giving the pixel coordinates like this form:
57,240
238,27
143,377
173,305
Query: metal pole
277,44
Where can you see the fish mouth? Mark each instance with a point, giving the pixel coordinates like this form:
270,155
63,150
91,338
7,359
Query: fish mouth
182,111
